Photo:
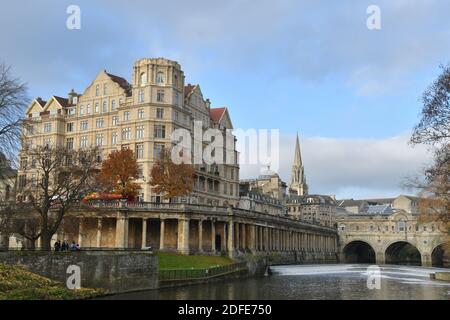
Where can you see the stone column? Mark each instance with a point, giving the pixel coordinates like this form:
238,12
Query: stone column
252,238
380,258
183,236
144,233
80,232
426,260
161,234
122,232
200,235
230,240
238,240
244,237
213,236
99,232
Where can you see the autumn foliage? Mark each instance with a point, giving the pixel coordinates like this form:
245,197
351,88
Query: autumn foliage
170,179
119,172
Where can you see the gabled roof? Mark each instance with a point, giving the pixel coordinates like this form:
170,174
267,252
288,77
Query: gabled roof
62,101
188,89
122,82
41,103
216,114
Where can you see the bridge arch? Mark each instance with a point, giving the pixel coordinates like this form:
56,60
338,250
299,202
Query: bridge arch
403,253
440,255
358,251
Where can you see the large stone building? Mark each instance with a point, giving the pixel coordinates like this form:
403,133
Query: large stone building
112,113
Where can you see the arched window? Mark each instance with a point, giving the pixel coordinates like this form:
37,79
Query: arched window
160,78
401,226
143,78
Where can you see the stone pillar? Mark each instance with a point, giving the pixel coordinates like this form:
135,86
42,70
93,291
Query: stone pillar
99,233
213,236
230,240
80,232
144,233
161,234
183,236
200,235
244,237
426,260
379,258
238,236
122,232
252,238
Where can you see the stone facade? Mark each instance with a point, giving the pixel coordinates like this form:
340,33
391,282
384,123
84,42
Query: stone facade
313,208
384,236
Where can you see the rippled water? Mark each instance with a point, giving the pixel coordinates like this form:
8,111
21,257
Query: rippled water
334,282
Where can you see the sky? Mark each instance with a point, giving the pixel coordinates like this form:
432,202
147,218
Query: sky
311,67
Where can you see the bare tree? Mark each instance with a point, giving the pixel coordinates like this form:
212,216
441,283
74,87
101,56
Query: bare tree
13,101
433,129
63,178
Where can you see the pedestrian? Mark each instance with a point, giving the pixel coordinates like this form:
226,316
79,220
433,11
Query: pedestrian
66,245
78,248
73,247
57,245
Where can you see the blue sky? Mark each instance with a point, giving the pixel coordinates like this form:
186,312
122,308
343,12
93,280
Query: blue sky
306,66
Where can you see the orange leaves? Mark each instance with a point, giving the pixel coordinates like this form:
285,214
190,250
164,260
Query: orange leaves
118,173
170,179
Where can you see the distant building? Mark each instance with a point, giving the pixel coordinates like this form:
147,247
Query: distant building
269,185
319,209
409,204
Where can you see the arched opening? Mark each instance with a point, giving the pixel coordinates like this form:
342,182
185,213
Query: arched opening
359,252
440,257
403,253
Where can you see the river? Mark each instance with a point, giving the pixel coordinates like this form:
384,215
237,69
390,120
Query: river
309,282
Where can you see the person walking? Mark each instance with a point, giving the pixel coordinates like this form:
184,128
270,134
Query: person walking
57,245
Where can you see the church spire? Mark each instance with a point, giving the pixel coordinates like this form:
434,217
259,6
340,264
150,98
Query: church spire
298,180
297,155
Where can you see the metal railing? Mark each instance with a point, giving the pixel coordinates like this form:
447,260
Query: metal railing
198,274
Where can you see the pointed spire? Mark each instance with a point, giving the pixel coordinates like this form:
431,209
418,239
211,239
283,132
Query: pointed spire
298,155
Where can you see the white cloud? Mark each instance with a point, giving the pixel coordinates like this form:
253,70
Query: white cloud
352,168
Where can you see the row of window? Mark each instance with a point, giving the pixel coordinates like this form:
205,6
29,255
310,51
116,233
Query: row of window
158,132
400,227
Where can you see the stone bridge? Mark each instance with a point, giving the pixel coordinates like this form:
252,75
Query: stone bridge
399,238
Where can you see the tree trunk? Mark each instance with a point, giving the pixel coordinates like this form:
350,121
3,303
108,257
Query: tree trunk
46,238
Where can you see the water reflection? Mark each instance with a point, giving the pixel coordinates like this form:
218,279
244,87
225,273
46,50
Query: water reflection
334,282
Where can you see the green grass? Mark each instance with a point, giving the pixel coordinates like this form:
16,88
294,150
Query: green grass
177,261
17,283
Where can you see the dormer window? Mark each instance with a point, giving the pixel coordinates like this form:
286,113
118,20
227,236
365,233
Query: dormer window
143,78
160,78
74,100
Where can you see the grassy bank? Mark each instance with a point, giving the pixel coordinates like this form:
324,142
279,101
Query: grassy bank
177,261
17,283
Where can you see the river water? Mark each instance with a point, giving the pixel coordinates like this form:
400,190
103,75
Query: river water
309,282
